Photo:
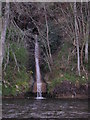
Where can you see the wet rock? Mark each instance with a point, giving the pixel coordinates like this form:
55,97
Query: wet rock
43,87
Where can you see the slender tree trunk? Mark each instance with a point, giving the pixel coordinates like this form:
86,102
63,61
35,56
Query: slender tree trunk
83,32
87,34
86,51
49,49
4,28
0,46
77,38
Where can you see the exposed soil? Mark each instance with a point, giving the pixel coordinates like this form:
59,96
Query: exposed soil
67,89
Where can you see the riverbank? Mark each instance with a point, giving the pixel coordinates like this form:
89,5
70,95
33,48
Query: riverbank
58,97
64,90
47,96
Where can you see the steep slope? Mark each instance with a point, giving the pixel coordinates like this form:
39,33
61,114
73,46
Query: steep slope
64,78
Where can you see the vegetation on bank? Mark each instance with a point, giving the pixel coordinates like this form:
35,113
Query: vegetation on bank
16,78
65,68
18,82
59,55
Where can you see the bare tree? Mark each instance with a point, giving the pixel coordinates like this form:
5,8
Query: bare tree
0,47
77,38
47,27
5,21
87,33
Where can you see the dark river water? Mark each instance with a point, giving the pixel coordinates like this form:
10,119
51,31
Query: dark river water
47,108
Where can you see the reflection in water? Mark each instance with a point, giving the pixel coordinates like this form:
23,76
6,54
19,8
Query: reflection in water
47,108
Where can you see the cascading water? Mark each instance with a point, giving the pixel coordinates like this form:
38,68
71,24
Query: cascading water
38,75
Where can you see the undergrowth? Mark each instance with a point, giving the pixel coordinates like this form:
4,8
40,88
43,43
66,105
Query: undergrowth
64,69
15,82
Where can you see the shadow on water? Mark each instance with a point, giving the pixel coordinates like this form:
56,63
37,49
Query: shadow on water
46,108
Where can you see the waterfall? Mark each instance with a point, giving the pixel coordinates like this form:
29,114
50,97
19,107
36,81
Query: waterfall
38,75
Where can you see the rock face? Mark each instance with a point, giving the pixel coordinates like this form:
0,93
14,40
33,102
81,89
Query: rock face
43,87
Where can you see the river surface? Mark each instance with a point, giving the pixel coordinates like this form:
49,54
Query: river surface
46,108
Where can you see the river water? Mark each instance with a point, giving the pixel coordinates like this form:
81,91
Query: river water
46,108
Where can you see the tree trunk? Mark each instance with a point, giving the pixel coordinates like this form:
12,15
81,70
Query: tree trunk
86,52
49,49
77,38
87,34
0,46
4,28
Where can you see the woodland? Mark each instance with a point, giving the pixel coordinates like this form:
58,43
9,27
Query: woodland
63,34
